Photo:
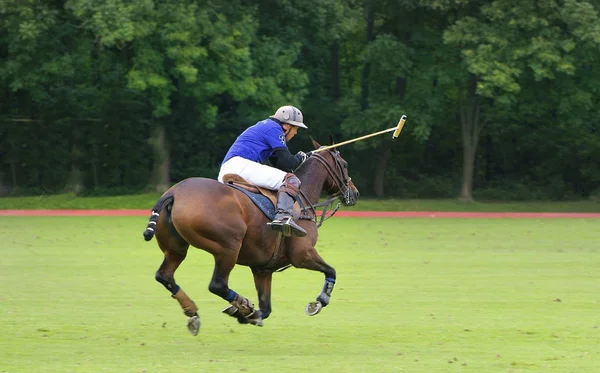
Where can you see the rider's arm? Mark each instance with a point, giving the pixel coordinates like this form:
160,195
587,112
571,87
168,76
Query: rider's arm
284,160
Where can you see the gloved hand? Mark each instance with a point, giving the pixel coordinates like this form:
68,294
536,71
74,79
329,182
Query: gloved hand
301,156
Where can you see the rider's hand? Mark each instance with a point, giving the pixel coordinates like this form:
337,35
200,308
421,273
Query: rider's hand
301,156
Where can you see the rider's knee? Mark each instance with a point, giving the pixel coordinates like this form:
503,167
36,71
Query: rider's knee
291,185
291,180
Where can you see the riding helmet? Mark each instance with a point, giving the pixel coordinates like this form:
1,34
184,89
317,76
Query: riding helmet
289,114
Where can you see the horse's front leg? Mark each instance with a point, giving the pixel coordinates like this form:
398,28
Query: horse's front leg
308,258
262,282
241,307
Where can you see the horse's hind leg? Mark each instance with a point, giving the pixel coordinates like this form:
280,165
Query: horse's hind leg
175,249
310,259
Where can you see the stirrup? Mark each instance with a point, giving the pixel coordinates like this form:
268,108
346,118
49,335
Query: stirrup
287,226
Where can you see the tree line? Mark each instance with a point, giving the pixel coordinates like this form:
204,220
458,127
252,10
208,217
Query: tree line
122,96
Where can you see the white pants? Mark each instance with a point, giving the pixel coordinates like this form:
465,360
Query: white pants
255,173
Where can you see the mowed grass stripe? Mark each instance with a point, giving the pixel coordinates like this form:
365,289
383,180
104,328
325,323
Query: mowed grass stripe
414,295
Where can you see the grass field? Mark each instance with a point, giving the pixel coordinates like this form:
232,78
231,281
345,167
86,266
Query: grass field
146,201
413,295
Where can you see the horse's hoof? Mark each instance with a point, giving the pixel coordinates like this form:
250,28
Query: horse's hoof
258,322
193,325
313,308
255,319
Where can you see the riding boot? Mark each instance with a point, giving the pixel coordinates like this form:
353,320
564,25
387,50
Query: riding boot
284,222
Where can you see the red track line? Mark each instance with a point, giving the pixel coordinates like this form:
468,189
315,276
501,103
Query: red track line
467,215
366,214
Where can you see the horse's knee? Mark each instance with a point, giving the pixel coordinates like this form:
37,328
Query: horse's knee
218,288
167,281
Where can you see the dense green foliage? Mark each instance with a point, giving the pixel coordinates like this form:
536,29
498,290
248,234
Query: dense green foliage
113,96
412,295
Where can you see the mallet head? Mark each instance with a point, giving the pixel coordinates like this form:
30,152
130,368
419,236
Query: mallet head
399,127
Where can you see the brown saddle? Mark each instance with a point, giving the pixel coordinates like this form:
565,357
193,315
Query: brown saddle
252,188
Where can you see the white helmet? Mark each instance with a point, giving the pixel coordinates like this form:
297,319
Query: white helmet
289,114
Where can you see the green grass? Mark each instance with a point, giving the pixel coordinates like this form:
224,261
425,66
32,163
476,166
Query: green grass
146,201
413,295
70,201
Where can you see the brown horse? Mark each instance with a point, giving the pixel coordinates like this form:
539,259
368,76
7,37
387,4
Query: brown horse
225,222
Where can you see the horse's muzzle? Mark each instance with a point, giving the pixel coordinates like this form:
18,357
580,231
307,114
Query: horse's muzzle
351,196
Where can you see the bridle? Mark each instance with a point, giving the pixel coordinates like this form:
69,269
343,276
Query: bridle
339,175
341,182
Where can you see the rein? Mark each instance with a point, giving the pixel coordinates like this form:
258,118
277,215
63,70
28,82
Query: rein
328,204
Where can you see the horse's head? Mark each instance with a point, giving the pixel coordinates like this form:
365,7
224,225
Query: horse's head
338,184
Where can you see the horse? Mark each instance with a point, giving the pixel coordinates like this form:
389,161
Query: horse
226,223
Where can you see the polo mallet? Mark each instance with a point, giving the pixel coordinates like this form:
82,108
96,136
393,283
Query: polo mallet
396,130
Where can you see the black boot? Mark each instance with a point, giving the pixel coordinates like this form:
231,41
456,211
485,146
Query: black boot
284,222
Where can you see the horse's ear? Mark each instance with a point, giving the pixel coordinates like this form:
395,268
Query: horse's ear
331,140
315,144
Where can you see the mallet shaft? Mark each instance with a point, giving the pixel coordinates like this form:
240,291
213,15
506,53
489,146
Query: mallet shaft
353,140
396,130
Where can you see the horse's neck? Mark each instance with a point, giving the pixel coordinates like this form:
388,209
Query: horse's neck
312,178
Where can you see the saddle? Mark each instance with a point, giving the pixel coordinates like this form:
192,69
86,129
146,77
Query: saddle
265,199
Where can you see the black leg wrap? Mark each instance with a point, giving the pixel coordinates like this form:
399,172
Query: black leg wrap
325,295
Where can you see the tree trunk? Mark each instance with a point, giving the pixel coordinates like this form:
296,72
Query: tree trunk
4,190
93,162
75,182
470,108
379,177
466,191
160,172
13,166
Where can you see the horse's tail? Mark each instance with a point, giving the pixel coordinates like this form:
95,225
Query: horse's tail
163,201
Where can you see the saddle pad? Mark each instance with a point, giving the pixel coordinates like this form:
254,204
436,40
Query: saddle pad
264,204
